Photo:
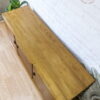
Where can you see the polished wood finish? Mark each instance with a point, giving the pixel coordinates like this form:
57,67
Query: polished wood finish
15,83
35,77
59,70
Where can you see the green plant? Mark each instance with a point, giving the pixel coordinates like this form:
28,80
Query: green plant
13,4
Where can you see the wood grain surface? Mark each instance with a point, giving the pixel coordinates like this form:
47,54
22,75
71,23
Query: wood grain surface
60,71
15,83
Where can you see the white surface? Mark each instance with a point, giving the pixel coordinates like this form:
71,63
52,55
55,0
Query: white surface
77,24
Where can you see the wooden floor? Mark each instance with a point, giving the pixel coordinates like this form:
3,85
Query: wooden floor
15,83
59,70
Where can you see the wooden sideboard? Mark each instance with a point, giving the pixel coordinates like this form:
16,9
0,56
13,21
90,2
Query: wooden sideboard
56,72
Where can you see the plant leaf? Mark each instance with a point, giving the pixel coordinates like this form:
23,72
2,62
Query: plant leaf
13,4
9,7
24,2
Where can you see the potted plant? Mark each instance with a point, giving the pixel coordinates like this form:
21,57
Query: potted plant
13,4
